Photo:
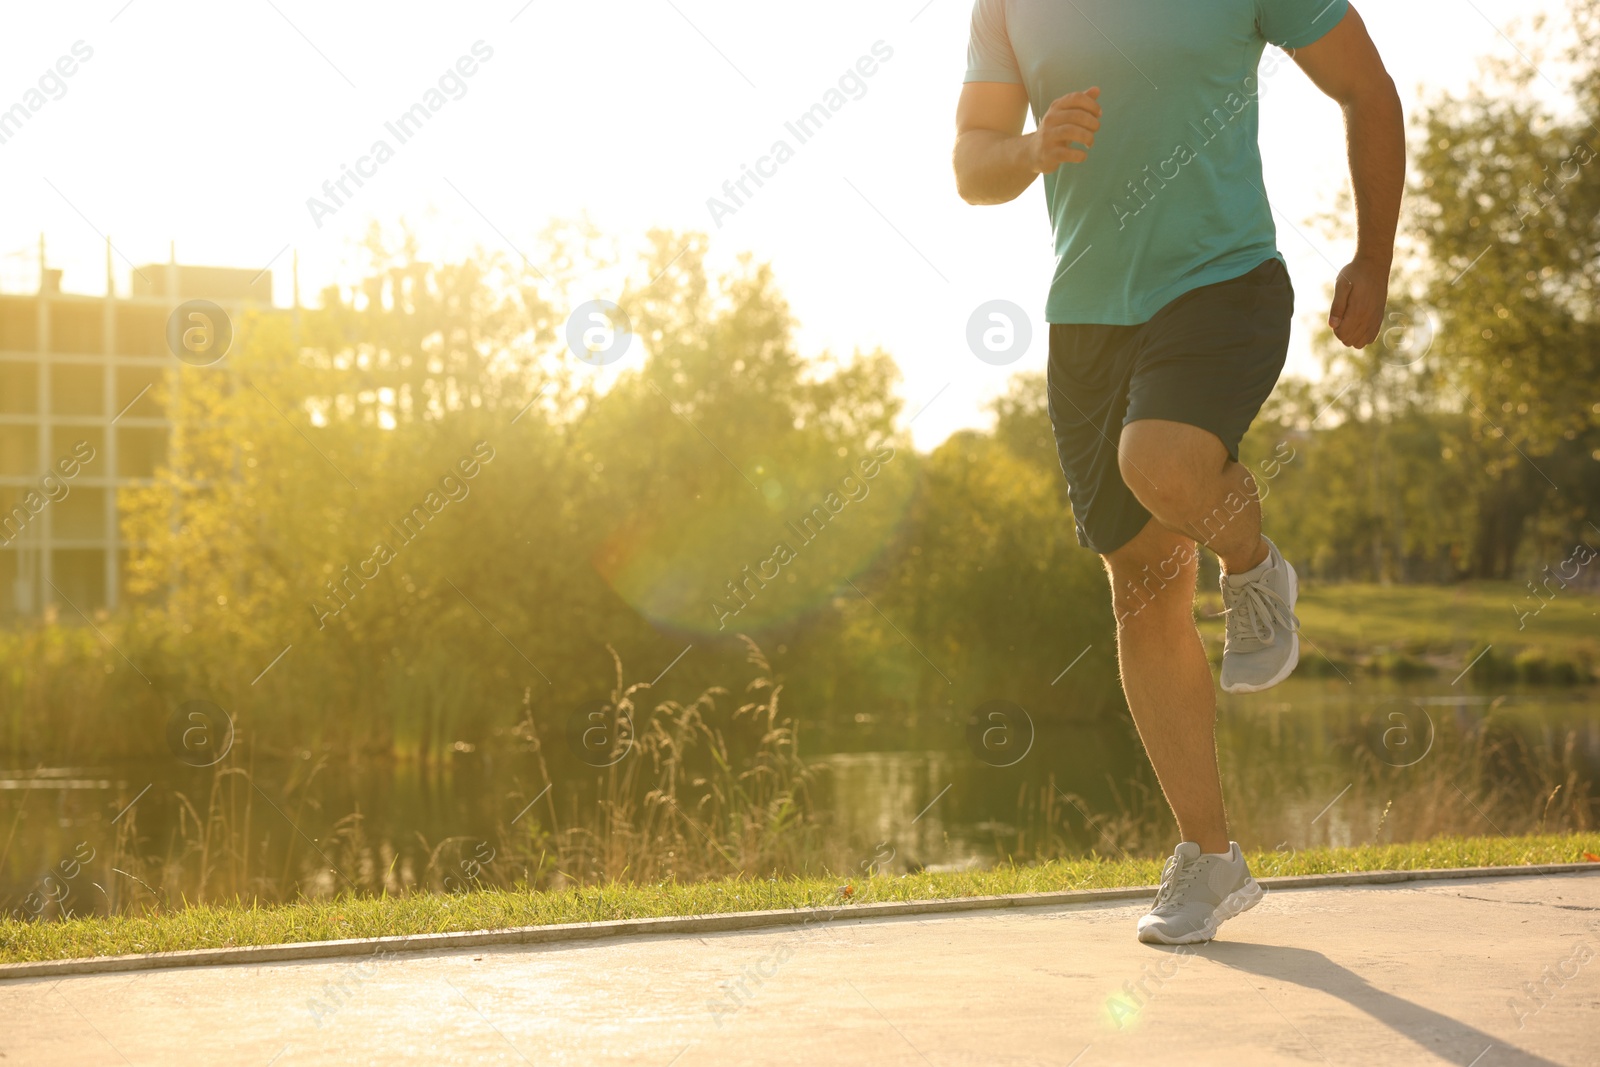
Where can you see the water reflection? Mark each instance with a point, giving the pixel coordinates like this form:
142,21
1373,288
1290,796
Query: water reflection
1312,763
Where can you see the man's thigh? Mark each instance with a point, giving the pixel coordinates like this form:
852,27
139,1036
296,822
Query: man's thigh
1204,364
1158,457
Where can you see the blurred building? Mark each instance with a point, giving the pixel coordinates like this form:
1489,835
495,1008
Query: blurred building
81,373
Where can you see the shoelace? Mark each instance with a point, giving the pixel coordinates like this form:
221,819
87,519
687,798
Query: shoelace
1255,613
1174,876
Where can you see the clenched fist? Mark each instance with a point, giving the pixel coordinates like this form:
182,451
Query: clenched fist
1071,121
1360,294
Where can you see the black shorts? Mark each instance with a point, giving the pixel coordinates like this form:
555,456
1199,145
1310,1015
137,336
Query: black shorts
1208,359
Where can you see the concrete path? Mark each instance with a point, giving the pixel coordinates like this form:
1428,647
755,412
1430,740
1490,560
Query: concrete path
1485,973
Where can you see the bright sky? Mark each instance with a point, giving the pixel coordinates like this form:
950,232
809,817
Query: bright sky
211,124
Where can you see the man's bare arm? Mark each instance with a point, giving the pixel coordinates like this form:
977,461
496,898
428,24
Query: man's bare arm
995,161
1346,66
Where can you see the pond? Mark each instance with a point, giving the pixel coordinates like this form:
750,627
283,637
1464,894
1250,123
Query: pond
1313,762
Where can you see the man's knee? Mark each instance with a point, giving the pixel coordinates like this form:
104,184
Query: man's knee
1172,470
1154,573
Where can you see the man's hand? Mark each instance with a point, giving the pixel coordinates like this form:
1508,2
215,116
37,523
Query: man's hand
1359,297
1072,120
995,161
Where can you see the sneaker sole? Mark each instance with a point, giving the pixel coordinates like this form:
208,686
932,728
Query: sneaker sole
1235,903
1294,650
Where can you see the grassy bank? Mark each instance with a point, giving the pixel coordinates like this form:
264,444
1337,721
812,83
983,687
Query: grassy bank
1440,629
217,926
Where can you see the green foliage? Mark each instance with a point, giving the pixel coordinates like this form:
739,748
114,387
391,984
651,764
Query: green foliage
1466,441
385,520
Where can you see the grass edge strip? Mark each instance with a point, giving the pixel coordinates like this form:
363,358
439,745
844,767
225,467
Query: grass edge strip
723,922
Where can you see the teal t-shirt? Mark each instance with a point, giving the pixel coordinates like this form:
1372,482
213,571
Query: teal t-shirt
1171,197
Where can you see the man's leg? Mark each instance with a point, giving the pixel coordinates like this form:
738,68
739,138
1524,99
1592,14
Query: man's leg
1184,477
1166,678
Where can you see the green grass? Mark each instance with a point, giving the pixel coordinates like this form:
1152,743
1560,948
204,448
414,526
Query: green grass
1403,628
222,926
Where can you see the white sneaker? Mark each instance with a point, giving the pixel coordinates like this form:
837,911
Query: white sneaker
1199,892
1262,646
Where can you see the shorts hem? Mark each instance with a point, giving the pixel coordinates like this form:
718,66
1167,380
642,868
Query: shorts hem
1121,542
1188,419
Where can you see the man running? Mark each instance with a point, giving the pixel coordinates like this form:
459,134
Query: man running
1169,325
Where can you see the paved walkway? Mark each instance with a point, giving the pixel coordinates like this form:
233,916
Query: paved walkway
1421,973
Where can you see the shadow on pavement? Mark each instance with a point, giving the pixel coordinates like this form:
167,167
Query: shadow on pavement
1439,1034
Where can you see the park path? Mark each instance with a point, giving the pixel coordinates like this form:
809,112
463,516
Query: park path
1417,973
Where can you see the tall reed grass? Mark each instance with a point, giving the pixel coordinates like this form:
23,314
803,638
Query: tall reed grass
711,788
717,788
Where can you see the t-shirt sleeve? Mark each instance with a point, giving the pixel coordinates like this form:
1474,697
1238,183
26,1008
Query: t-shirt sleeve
1297,23
989,54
